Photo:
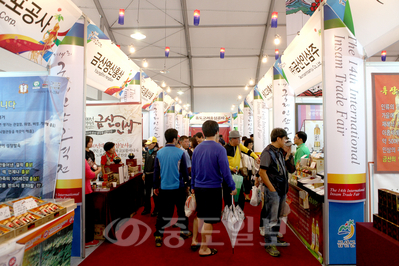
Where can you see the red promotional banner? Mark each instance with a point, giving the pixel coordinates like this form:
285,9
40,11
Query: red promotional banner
386,122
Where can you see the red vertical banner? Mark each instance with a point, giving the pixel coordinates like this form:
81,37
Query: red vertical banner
386,122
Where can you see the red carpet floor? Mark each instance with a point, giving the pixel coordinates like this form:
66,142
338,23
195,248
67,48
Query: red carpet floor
248,250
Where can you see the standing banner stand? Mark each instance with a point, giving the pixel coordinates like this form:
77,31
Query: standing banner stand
248,125
260,115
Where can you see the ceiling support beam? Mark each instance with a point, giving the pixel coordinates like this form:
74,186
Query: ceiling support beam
188,46
104,18
262,47
193,56
192,26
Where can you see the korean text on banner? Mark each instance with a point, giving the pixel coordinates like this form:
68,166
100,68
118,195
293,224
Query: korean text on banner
248,115
386,122
261,117
157,119
34,29
31,115
108,68
119,123
68,62
149,91
284,104
345,112
200,118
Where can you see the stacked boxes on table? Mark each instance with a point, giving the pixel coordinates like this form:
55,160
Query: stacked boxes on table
16,225
387,220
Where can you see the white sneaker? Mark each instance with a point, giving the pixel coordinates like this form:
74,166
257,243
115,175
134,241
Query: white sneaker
262,231
280,235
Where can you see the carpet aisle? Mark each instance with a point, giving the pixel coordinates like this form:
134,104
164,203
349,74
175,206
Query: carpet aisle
248,250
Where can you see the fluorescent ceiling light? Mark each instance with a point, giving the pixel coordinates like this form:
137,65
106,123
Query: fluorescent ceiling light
138,36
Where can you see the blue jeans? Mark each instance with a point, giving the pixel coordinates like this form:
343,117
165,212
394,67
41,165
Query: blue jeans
273,207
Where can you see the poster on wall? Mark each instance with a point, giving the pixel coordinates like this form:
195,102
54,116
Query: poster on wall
31,126
284,104
386,122
119,123
108,67
34,29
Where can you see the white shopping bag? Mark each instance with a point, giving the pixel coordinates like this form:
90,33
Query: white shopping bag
190,205
256,196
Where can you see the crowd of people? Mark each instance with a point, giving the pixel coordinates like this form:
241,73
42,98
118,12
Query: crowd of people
204,165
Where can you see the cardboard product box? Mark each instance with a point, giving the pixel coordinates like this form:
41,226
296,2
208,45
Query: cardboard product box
99,231
381,197
393,231
384,225
47,214
384,212
380,207
377,222
37,200
6,234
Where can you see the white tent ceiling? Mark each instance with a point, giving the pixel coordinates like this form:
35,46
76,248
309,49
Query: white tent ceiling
241,27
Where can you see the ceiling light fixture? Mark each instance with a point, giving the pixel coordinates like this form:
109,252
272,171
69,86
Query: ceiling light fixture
276,54
179,101
132,49
121,19
138,36
264,59
163,85
239,97
277,39
180,92
176,99
222,52
167,50
383,56
274,19
145,63
233,106
168,90
251,82
246,87
196,17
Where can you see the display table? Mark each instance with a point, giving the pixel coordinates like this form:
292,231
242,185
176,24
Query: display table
374,247
49,244
301,220
119,202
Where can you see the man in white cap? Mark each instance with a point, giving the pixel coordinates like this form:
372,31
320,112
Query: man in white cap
234,149
148,174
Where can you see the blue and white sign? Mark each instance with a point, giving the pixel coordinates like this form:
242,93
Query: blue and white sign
31,124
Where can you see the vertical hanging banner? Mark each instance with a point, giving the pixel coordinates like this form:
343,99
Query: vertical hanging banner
386,122
240,118
157,119
31,116
119,123
248,115
149,91
179,120
69,62
260,123
234,120
170,118
108,67
34,29
345,134
344,117
186,121
265,87
284,103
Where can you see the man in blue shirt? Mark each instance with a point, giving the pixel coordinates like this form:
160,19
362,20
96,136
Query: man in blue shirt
170,177
209,168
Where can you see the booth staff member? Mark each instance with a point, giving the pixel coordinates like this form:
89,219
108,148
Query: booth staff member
89,206
299,140
109,156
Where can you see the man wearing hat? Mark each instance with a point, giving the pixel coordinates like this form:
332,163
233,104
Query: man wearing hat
234,149
148,172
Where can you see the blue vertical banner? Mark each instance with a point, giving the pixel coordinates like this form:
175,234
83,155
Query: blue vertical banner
342,231
31,117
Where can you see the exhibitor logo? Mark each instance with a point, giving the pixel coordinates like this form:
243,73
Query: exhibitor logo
36,85
348,231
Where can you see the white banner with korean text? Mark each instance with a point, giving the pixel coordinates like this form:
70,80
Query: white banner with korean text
119,123
261,126
284,105
170,118
200,118
34,29
149,91
157,119
240,118
108,67
265,88
179,120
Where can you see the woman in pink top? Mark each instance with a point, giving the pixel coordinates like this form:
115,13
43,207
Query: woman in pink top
89,206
